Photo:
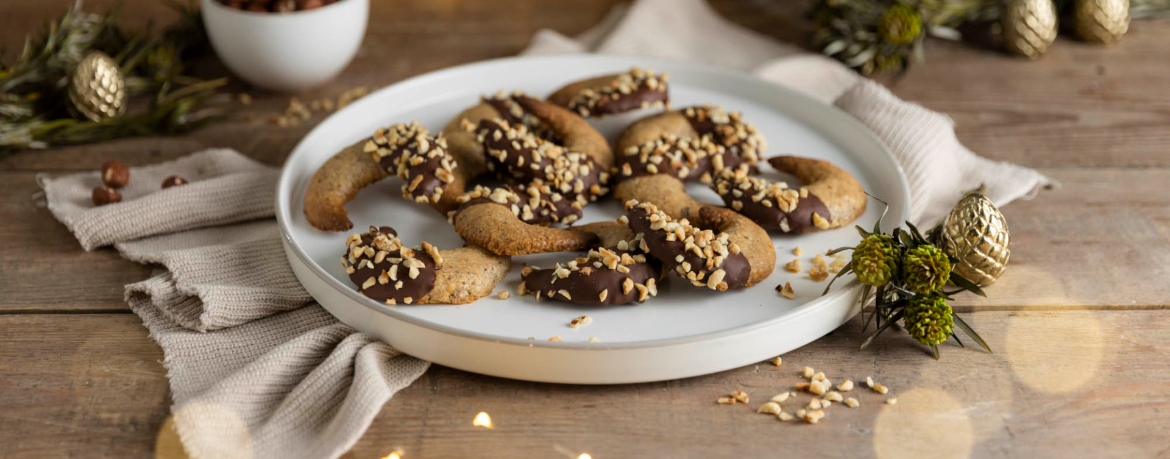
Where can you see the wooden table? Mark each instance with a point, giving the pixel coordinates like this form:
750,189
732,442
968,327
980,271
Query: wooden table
1082,362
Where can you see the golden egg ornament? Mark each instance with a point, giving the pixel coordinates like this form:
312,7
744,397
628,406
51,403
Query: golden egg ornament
97,88
976,234
1101,21
1029,27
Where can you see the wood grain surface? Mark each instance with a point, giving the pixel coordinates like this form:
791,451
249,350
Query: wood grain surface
1081,364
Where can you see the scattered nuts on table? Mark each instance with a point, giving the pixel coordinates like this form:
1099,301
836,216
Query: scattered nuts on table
103,195
769,408
845,386
173,180
115,174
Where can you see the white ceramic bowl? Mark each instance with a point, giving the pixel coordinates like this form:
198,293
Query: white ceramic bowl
287,51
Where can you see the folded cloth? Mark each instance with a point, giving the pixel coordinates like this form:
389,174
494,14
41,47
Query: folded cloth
938,168
259,370
256,368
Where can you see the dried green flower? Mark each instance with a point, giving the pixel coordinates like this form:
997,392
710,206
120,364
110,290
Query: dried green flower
900,25
875,260
929,319
925,269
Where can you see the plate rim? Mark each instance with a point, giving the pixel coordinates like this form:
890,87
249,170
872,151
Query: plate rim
283,204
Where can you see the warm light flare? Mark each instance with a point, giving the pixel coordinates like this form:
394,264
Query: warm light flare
584,456
396,454
482,420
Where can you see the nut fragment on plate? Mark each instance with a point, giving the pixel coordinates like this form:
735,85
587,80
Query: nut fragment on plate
879,388
777,361
809,372
797,251
834,396
740,396
793,266
784,416
593,339
781,397
787,292
504,294
813,416
580,321
852,402
556,339
845,386
892,401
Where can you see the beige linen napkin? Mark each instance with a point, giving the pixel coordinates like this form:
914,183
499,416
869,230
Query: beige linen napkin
938,168
256,369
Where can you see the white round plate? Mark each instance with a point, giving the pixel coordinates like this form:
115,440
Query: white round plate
684,331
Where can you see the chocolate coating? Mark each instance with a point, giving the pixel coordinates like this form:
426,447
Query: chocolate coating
585,279
380,266
697,255
769,204
614,94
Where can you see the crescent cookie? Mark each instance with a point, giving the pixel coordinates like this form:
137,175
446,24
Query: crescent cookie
613,94
385,270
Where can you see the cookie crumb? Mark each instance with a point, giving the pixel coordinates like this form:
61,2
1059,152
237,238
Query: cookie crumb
504,294
797,251
556,339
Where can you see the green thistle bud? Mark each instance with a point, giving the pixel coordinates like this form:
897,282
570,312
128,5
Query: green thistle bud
929,319
925,269
875,260
900,25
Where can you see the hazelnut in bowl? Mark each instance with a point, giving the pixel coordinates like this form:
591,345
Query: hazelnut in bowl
285,45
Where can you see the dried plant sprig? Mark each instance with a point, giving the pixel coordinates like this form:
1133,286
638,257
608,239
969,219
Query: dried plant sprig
34,101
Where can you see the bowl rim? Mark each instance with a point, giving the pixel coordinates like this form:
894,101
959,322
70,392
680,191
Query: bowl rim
272,15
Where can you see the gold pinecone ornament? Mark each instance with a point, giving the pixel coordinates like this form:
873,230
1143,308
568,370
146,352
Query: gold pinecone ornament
976,233
1102,21
1029,27
97,88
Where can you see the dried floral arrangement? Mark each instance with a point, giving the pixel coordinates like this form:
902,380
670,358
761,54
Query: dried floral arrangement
886,36
37,108
906,273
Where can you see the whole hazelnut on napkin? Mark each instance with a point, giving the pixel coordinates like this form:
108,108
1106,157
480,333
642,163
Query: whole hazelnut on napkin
103,195
115,174
173,180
